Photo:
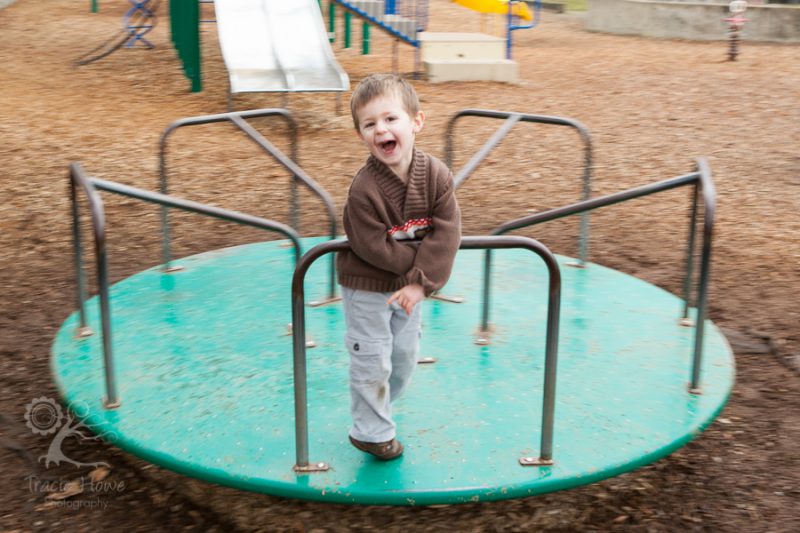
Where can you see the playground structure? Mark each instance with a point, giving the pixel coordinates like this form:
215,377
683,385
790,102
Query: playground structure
138,21
186,392
445,56
276,46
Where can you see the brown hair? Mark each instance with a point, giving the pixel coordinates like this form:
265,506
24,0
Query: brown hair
376,85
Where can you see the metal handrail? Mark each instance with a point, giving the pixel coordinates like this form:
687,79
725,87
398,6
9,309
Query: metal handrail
238,119
90,186
511,118
702,181
467,243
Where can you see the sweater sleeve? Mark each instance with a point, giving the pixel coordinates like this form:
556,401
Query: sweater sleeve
434,258
371,242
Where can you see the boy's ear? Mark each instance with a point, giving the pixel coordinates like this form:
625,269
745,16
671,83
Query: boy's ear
358,134
419,121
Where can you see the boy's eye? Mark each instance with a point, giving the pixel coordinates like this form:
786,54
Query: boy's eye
368,124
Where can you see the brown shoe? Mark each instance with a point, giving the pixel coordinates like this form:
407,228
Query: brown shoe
385,451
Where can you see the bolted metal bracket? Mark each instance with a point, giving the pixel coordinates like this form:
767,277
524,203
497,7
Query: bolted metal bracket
445,298
82,333
483,337
111,405
426,360
173,268
311,468
535,461
324,301
310,343
696,391
686,322
574,264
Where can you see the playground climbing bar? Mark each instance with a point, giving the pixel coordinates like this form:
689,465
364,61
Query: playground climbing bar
700,178
510,120
90,187
79,179
239,119
303,465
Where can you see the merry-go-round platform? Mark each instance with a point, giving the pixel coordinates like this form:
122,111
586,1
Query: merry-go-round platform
203,365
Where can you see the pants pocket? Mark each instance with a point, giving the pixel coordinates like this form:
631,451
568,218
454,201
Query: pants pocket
369,359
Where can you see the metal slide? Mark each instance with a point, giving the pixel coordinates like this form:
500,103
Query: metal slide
277,46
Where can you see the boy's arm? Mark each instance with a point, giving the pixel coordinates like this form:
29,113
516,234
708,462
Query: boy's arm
370,241
435,256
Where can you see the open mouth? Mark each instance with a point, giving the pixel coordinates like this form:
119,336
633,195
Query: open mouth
388,146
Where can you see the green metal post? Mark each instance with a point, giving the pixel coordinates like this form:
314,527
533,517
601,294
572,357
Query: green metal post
365,39
347,18
95,7
185,33
332,21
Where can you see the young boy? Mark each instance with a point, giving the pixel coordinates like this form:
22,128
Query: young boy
401,193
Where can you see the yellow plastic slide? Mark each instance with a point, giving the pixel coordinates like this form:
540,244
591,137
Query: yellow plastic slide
518,9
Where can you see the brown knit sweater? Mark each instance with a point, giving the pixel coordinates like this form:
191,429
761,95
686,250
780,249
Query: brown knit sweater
381,210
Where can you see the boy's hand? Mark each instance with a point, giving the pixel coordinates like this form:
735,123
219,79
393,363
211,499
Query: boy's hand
408,297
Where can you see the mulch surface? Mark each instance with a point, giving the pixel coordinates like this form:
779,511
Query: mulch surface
651,105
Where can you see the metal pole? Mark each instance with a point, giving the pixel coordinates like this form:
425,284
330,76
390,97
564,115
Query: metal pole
687,282
80,276
294,192
300,378
596,202
111,400
331,21
508,31
709,208
347,19
550,364
365,39
487,274
481,154
583,245
163,187
203,209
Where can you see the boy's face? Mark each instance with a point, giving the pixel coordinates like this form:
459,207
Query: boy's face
388,131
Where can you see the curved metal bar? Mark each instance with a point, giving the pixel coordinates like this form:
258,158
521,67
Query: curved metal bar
208,119
467,243
315,187
203,209
78,178
700,178
477,159
594,203
576,208
90,187
709,214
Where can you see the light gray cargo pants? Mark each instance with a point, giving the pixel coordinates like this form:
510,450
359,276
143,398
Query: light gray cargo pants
383,343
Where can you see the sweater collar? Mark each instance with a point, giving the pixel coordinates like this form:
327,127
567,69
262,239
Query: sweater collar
398,192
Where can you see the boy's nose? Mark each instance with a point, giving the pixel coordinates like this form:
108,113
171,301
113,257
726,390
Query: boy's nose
380,126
